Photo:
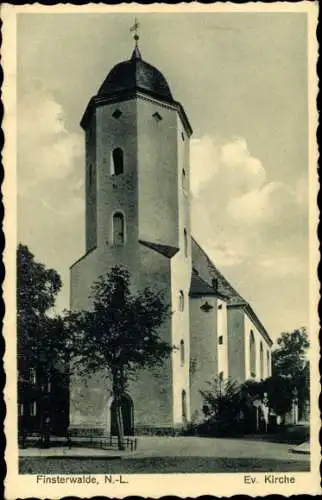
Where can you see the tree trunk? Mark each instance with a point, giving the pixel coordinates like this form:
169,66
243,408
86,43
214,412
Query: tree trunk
119,423
118,411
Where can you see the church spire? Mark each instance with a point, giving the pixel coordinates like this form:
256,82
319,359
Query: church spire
136,54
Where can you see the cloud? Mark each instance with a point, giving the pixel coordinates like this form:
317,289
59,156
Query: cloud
204,156
47,151
246,171
240,216
50,165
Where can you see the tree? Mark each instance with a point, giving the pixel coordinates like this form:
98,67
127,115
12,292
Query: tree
289,361
222,404
279,393
40,337
289,358
119,334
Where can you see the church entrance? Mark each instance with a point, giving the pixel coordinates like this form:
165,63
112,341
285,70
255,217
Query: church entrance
127,412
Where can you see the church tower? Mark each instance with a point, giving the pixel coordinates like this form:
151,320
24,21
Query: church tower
137,215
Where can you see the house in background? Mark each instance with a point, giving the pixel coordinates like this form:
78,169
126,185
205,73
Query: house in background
41,396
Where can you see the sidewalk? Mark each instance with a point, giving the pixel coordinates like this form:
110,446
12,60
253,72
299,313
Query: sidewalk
73,452
303,448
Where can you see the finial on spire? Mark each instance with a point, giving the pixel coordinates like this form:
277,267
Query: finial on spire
136,52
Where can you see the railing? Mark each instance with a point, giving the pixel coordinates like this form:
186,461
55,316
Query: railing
104,442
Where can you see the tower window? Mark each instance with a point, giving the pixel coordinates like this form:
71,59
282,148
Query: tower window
220,340
252,354
118,229
185,240
184,406
117,113
220,306
21,409
117,161
182,136
182,352
157,116
214,283
181,301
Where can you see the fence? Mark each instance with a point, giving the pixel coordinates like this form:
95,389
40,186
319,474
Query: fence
104,442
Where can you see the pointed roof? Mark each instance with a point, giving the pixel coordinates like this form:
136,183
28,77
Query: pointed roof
136,54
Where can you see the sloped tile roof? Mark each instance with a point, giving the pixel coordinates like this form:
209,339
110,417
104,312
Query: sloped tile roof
199,287
207,272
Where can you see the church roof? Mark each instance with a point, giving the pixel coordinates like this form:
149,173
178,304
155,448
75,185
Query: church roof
136,74
207,272
199,287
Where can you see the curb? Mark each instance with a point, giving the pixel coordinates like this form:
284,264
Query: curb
303,449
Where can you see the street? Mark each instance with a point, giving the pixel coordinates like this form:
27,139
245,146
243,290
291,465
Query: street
171,454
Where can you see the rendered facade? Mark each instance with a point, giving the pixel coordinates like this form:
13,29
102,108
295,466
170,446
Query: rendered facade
137,174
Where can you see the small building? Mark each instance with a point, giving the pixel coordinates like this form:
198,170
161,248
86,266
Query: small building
42,396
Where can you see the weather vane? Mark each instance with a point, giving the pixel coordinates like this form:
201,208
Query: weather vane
134,29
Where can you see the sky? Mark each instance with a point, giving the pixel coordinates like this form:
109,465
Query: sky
242,80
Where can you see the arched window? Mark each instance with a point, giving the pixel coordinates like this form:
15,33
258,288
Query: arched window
184,406
268,364
181,300
185,239
252,354
118,229
182,352
261,360
117,161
